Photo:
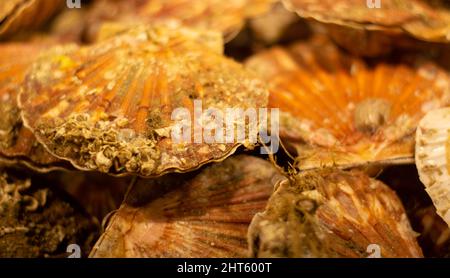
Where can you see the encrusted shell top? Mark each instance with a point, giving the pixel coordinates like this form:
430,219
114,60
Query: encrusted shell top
433,158
340,110
332,213
21,15
17,143
205,214
109,107
422,19
227,17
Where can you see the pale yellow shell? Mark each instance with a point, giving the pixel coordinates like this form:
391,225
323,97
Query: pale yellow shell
433,158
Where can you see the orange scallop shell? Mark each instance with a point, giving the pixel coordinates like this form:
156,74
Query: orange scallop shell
340,110
17,143
23,15
227,17
422,19
205,214
108,107
332,213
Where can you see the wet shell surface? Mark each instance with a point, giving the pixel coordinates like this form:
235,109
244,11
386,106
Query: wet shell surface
340,110
17,143
109,107
422,19
22,15
204,215
227,17
331,213
433,158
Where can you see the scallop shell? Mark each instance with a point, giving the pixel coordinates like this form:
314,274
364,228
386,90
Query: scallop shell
17,143
202,215
227,17
433,158
38,221
339,110
68,26
23,15
275,25
98,194
435,233
425,20
108,107
331,213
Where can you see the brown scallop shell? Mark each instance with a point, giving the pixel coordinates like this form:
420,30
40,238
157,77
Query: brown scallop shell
17,143
108,107
23,15
98,194
205,214
332,213
227,17
422,19
340,110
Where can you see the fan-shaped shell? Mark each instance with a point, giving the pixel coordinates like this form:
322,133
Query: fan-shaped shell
108,107
202,215
331,213
227,17
23,15
17,143
433,158
422,19
340,110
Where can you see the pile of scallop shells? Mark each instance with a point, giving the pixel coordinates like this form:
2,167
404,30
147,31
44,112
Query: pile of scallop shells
90,166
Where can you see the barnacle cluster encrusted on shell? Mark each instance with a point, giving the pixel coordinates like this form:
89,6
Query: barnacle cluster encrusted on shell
433,158
36,222
108,107
331,213
102,144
